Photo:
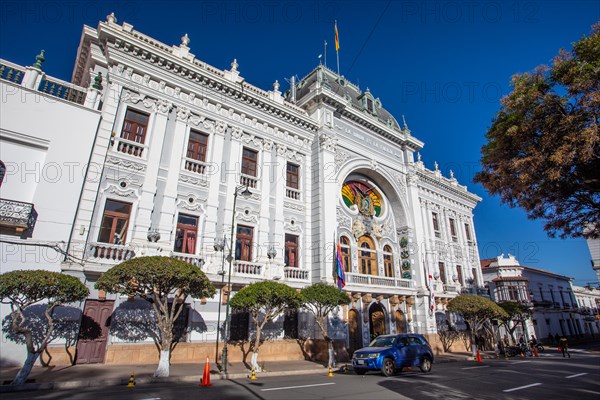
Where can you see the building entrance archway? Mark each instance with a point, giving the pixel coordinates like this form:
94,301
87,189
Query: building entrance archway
377,325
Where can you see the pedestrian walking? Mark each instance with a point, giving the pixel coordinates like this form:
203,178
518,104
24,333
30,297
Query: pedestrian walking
563,345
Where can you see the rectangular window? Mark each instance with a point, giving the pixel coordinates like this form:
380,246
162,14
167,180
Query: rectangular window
474,272
292,172
459,274
345,249
442,268
186,234
453,230
291,250
114,222
249,160
243,243
468,232
436,224
197,144
134,126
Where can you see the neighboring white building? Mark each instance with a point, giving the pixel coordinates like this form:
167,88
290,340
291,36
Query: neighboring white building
588,301
325,162
550,296
47,131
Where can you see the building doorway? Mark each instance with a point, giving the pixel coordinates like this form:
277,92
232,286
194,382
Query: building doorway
354,331
377,320
93,332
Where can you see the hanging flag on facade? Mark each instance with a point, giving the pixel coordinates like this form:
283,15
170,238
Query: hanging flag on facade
341,279
337,39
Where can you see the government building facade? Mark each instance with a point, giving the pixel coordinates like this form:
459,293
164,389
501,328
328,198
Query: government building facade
325,163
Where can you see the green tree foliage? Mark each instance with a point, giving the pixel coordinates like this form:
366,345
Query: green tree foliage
23,289
320,299
264,301
476,311
516,313
542,152
165,282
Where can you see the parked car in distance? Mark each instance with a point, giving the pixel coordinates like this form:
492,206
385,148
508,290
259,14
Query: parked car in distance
388,353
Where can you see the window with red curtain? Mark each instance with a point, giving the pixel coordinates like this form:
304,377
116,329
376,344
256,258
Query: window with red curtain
187,234
291,250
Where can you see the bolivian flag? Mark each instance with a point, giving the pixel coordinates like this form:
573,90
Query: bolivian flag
337,39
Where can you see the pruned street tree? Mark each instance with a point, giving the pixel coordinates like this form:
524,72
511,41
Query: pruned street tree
476,311
516,314
26,288
264,301
164,282
321,299
543,147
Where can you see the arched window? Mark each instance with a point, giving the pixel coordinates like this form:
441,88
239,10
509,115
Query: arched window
345,248
388,261
367,258
2,171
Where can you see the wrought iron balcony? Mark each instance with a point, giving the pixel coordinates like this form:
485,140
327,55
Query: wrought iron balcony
17,218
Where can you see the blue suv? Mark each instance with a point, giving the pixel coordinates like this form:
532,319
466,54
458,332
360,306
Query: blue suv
387,353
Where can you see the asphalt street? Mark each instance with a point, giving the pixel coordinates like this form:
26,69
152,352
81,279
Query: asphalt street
548,377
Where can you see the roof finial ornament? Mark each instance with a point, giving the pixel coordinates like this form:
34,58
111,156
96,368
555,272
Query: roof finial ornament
451,174
111,18
418,156
435,164
276,85
185,40
234,65
98,81
39,59
404,122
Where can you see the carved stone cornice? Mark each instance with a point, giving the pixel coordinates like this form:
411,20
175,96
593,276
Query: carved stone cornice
125,164
328,142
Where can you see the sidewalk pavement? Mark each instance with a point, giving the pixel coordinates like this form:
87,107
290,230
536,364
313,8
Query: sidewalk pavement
89,375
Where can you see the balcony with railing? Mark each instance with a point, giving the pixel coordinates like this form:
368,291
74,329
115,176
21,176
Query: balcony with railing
129,147
248,181
109,253
17,218
63,90
11,72
293,194
195,166
247,268
194,259
451,288
295,273
371,280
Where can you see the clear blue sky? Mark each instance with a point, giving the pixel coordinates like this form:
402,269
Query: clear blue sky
444,65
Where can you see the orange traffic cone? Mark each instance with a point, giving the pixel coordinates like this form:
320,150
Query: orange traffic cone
479,359
206,375
535,352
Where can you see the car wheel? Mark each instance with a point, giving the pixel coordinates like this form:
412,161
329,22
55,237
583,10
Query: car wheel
426,365
360,371
388,368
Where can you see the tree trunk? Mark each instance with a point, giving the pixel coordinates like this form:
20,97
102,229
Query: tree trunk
331,353
26,368
254,361
163,365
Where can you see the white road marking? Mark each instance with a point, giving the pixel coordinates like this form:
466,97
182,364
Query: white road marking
521,387
479,366
576,375
587,391
521,362
296,387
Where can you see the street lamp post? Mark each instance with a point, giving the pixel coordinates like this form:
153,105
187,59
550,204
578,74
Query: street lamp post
220,246
246,193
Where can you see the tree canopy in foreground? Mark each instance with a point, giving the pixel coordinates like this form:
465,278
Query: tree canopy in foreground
25,288
165,282
542,152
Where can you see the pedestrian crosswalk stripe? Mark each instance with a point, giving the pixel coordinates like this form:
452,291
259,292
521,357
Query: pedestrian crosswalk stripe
576,375
521,387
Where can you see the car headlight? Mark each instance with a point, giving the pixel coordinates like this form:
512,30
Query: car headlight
374,355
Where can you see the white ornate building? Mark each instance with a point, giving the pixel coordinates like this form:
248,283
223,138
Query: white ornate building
325,162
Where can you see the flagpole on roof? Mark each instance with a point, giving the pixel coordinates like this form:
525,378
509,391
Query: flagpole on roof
325,46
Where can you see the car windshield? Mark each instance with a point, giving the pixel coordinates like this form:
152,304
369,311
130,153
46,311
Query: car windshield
383,341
